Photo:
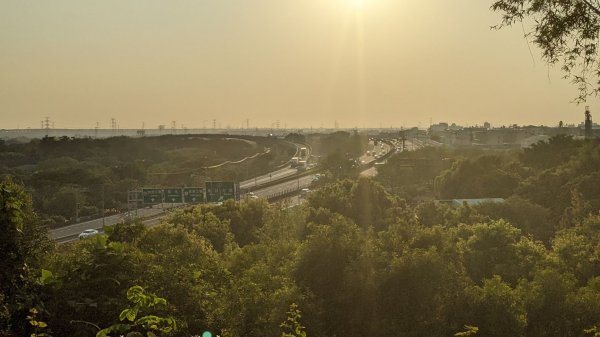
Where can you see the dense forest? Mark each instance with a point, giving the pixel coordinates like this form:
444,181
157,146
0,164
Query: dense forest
361,257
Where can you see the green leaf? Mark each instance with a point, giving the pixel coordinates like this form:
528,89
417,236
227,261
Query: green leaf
46,278
103,333
151,334
131,315
159,300
123,314
134,293
134,334
148,319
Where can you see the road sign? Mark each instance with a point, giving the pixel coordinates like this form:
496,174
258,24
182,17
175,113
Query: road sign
173,195
217,191
193,194
135,196
152,195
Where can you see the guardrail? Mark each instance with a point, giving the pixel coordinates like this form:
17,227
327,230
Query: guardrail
285,179
283,194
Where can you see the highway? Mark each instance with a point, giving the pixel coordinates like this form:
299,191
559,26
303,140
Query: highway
153,215
275,175
293,185
69,233
279,174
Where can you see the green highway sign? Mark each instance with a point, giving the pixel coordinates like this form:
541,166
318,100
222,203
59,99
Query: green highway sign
152,196
173,195
217,191
193,194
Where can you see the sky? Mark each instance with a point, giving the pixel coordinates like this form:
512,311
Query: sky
304,63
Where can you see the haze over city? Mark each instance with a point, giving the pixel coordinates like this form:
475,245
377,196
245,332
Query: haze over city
307,63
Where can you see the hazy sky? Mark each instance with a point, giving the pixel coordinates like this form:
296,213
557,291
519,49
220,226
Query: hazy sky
302,62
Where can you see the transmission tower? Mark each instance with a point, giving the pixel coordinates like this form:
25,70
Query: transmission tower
46,125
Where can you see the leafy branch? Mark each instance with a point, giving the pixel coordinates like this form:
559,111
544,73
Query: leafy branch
150,324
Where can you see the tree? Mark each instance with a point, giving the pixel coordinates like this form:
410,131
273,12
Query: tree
497,248
340,166
186,270
496,309
484,177
22,246
529,217
546,300
205,224
565,31
322,269
556,151
364,201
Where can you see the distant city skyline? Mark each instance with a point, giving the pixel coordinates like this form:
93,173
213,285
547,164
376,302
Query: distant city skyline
376,63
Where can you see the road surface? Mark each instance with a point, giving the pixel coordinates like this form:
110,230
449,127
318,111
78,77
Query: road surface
293,185
279,174
71,232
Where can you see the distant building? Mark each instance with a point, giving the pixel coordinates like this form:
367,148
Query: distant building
438,127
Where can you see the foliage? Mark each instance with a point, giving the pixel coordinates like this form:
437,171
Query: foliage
565,31
357,259
483,177
127,231
291,326
23,244
150,324
364,201
40,328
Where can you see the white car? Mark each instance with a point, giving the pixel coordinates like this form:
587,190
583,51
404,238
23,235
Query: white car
87,233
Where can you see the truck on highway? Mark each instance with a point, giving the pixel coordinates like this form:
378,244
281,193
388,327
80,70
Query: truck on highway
302,165
303,153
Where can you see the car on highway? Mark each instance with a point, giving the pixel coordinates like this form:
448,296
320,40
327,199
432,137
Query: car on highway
88,233
304,192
